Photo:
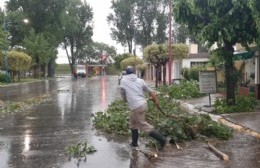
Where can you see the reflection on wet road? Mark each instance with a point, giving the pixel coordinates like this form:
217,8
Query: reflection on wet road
38,137
19,92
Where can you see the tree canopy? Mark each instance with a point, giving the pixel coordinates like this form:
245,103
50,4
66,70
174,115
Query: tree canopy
120,58
122,21
157,55
94,52
39,49
67,22
224,22
255,7
131,61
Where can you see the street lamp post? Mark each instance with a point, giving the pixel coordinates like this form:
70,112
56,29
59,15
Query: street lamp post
6,45
170,42
6,51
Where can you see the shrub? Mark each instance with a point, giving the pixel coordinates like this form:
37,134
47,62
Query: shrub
3,78
242,104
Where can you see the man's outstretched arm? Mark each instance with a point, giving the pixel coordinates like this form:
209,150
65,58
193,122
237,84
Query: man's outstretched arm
155,100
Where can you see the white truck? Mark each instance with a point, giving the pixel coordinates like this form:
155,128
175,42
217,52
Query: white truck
80,70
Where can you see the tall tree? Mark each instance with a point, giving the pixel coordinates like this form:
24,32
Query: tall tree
122,22
39,49
77,29
17,27
225,22
181,34
161,27
43,15
2,35
105,49
94,52
151,21
255,7
45,19
139,22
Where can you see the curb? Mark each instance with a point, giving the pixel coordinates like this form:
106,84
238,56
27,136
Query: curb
240,128
220,119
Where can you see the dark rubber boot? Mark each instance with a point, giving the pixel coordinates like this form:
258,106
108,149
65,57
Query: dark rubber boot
134,142
160,138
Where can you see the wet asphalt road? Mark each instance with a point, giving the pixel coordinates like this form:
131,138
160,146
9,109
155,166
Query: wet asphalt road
37,137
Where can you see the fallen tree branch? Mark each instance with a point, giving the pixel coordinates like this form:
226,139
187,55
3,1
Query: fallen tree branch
218,152
167,115
171,116
178,147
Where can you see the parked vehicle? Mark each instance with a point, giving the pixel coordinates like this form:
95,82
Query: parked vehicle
80,70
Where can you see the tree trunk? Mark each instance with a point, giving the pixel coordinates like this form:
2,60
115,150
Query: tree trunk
164,74
229,74
50,68
156,75
43,71
36,69
12,76
19,76
159,75
130,47
70,59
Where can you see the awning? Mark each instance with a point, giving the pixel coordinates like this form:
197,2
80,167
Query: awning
243,55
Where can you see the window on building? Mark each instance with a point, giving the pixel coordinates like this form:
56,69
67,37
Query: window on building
192,64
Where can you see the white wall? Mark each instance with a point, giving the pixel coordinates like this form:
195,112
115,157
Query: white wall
186,62
249,68
193,48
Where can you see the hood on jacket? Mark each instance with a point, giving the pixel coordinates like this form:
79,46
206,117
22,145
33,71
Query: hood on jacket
131,77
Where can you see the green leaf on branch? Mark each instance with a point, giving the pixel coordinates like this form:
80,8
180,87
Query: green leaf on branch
183,126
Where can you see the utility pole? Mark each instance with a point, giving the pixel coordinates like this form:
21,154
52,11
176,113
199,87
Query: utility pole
170,41
6,51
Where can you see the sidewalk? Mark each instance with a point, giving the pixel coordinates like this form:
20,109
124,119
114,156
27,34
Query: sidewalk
247,120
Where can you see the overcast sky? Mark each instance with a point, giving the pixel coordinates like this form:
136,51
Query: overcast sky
101,8
101,28
2,3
